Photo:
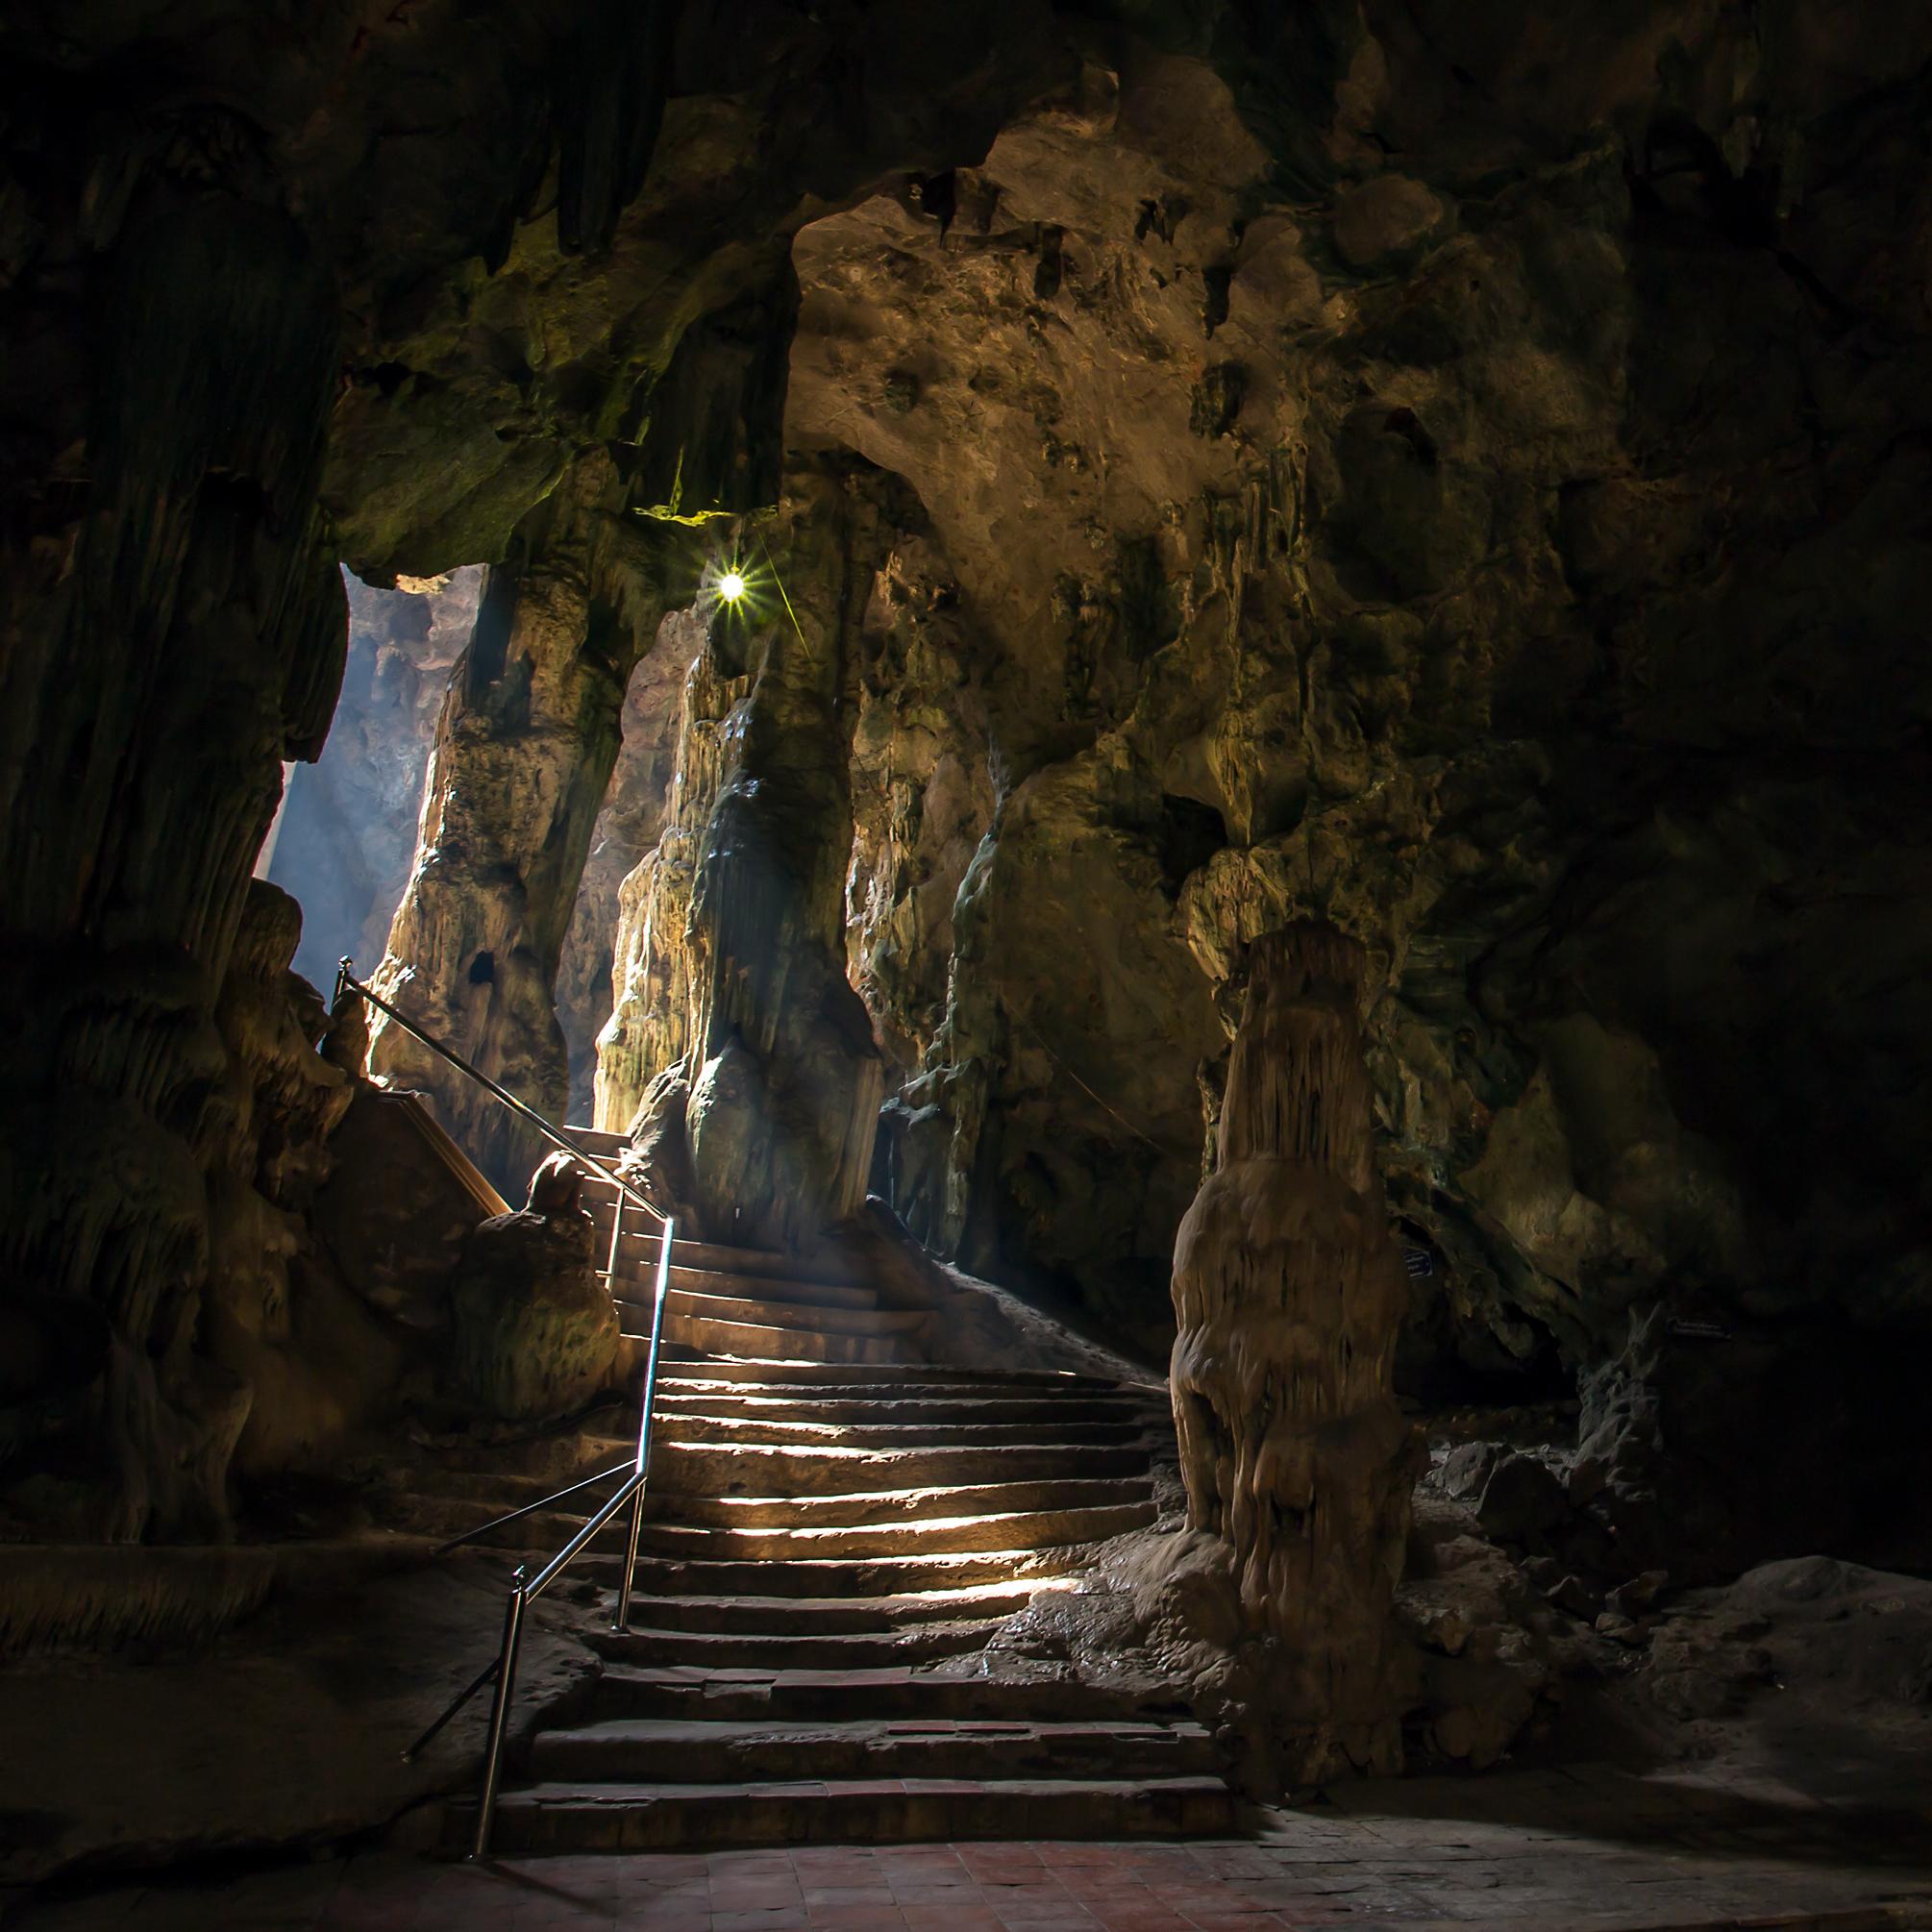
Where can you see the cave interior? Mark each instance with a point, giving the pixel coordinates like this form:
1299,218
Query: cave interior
1182,751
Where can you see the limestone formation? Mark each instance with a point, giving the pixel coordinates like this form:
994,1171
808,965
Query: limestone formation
735,936
1289,1296
1457,472
535,1331
525,749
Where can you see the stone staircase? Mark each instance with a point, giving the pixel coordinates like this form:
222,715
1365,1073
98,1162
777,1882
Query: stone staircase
835,1529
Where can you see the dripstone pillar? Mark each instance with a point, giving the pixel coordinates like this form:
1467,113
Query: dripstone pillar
1289,1292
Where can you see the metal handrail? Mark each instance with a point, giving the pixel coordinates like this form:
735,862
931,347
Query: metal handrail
524,1588
346,981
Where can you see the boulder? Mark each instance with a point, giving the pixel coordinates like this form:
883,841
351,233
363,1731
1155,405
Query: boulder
536,1330
1523,1498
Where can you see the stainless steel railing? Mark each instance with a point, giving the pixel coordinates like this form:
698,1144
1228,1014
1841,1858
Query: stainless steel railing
346,981
525,1589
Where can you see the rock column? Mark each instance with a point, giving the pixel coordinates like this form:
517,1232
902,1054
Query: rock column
735,937
524,752
1289,1292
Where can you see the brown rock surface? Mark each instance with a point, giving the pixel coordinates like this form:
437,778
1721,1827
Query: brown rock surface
1288,1294
533,1328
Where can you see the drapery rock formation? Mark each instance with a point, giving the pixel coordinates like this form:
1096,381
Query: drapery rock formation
525,748
1289,1295
733,936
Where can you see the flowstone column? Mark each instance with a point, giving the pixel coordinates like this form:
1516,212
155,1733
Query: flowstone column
733,949
524,752
1289,1292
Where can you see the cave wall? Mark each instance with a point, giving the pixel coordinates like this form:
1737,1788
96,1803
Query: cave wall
1456,473
278,294
1473,507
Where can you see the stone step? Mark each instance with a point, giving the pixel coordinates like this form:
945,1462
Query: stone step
912,1402
554,1819
732,1469
829,1616
786,1315
637,1286
821,1576
720,1456
776,1372
898,1693
906,1508
792,1648
721,1751
754,1341
451,1502
643,1241
939,1535
680,1428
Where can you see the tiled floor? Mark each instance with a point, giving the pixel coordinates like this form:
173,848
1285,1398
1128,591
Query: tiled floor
1557,1849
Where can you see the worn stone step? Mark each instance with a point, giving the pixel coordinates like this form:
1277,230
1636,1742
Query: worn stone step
898,1693
754,1752
643,1241
557,1818
679,1427
720,1456
776,1372
945,1535
636,1288
873,1616
821,1576
728,1306
755,1340
826,1469
907,1507
791,1647
911,1402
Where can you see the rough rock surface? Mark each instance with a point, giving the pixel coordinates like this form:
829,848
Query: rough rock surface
733,936
534,1332
628,825
286,1733
1288,1295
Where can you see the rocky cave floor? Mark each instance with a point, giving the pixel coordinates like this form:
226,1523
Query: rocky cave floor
1757,1753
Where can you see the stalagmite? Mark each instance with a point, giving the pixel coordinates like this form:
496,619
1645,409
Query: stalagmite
1289,1294
732,945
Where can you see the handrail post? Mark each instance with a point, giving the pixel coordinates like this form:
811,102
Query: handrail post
498,1713
643,1470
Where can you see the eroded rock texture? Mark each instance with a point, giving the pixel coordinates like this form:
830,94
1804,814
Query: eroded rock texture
1289,1295
1462,494
733,942
283,293
1454,471
525,749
